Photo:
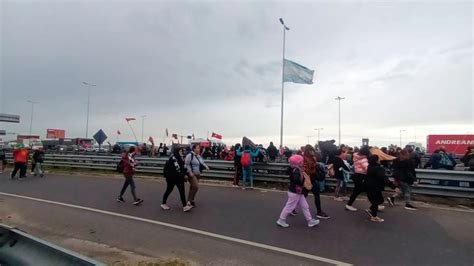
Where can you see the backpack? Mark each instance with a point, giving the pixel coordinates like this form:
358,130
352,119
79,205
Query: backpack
119,167
445,160
245,160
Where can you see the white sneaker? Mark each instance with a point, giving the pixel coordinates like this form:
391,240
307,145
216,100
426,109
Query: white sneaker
338,199
165,207
381,208
350,208
346,198
187,208
282,223
313,222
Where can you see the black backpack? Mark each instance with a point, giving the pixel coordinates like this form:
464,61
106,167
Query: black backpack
120,166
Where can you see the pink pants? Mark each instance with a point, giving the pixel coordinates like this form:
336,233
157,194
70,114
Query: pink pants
293,201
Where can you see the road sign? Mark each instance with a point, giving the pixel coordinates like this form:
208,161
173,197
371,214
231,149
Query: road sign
100,136
9,118
2,132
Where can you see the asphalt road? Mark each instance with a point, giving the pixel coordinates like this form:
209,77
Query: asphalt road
429,236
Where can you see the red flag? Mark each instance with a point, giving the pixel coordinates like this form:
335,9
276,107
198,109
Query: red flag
118,132
167,135
130,119
193,136
217,136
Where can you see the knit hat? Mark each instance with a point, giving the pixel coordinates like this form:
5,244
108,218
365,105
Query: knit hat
295,160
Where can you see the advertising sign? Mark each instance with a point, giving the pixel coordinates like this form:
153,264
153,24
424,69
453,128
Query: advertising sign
55,133
456,144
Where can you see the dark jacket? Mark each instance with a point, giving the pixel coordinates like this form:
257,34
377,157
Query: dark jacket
404,171
376,179
296,181
338,164
272,152
174,169
468,159
38,156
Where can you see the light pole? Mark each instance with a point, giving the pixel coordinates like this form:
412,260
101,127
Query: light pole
339,99
401,130
143,126
285,28
32,111
89,85
308,139
319,131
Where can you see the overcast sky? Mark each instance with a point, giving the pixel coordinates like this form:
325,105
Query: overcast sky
204,66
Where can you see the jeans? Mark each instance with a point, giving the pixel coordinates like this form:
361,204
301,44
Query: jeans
405,191
193,187
293,201
237,175
170,184
129,181
247,172
340,188
39,169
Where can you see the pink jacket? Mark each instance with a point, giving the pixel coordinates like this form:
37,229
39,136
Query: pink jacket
360,164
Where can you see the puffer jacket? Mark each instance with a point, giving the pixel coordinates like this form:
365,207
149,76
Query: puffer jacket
360,164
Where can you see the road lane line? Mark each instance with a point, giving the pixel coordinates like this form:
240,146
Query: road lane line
182,228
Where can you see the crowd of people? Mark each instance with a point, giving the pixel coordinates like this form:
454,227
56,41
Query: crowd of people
308,168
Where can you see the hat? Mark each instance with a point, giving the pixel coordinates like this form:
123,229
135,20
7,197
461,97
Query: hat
295,160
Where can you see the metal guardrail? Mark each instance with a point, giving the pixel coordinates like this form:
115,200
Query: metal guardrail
20,248
432,182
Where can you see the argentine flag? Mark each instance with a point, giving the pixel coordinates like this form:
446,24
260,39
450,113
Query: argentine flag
296,73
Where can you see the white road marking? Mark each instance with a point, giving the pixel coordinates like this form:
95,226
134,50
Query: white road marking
196,231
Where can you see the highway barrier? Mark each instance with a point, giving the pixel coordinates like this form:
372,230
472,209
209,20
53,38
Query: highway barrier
20,248
431,182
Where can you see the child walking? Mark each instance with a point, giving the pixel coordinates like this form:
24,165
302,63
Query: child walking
295,193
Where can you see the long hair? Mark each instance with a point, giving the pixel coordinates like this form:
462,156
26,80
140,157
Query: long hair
404,155
309,164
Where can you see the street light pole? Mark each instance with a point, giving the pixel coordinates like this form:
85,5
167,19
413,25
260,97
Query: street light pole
143,126
319,131
401,130
89,85
285,28
32,111
339,99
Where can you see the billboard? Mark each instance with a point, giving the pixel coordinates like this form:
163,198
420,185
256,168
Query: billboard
55,134
20,138
456,144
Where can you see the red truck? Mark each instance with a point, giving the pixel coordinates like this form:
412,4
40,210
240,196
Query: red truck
456,144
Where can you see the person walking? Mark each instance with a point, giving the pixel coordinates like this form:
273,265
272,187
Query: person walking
20,158
194,165
405,176
361,164
339,167
3,161
175,173
311,168
246,160
129,164
375,184
38,158
237,166
296,189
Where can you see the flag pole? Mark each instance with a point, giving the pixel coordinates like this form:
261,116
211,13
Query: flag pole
285,28
132,131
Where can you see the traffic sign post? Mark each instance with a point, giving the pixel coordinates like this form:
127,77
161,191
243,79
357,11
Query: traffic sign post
100,137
